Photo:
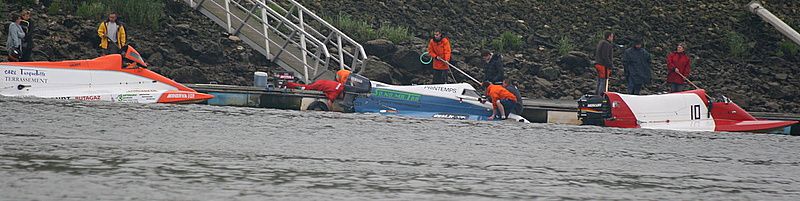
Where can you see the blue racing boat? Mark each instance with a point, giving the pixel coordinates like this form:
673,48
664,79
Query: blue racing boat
440,101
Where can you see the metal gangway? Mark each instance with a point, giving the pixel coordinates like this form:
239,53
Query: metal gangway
288,34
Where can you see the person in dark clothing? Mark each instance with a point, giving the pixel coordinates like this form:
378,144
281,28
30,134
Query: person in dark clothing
603,61
27,42
511,87
493,67
636,63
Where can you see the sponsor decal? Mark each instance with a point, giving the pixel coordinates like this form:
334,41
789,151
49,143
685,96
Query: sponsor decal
442,89
87,98
63,98
594,105
127,98
450,116
184,96
142,91
26,79
32,72
399,95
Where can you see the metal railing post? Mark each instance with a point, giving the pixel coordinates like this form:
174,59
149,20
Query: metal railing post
228,15
303,41
264,23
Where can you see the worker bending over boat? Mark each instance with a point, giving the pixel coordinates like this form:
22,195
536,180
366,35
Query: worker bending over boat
330,88
501,99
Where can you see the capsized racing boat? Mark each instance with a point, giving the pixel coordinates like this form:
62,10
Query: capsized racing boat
107,78
688,111
439,101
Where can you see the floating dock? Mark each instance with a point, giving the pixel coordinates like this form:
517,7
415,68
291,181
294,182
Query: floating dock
536,110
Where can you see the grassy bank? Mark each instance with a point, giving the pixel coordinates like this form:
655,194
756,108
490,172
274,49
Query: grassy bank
145,13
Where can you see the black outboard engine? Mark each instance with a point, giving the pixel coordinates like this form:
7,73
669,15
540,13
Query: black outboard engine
593,110
353,87
357,84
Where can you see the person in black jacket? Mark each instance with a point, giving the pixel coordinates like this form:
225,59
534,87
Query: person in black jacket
604,64
636,63
493,68
27,42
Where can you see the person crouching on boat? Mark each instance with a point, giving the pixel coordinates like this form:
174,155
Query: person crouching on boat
330,88
502,100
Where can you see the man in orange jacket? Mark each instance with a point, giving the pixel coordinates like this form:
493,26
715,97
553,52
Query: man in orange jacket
439,49
502,100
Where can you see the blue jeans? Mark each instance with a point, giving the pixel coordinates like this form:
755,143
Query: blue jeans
601,86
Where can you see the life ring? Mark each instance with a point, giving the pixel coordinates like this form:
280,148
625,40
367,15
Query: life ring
423,61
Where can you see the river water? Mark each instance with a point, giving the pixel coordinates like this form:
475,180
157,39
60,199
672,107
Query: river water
66,150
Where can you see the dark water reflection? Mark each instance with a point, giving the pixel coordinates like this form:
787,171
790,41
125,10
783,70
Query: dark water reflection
57,150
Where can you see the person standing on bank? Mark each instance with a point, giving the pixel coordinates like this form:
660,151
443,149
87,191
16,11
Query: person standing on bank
112,35
439,49
492,67
15,37
27,42
636,63
603,62
678,66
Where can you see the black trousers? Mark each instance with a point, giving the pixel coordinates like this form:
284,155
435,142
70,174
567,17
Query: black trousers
440,76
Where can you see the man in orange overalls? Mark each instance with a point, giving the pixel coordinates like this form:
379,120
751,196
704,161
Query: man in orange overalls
439,49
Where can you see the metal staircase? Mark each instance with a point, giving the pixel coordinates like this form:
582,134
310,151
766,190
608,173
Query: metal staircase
288,34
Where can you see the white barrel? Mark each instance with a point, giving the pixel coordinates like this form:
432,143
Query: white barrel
260,79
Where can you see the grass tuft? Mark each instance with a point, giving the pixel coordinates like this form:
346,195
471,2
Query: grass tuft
565,45
507,41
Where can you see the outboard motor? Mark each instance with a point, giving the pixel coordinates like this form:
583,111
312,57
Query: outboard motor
354,86
357,84
593,110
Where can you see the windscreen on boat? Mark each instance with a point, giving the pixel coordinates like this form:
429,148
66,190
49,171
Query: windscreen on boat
134,56
471,93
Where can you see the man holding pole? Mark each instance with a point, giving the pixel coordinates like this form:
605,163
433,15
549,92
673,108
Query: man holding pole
439,49
603,62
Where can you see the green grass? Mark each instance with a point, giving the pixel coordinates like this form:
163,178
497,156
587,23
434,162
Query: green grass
507,41
143,13
738,46
359,30
395,34
93,10
787,49
565,45
363,31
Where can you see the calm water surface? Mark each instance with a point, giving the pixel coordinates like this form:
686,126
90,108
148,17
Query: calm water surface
62,150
